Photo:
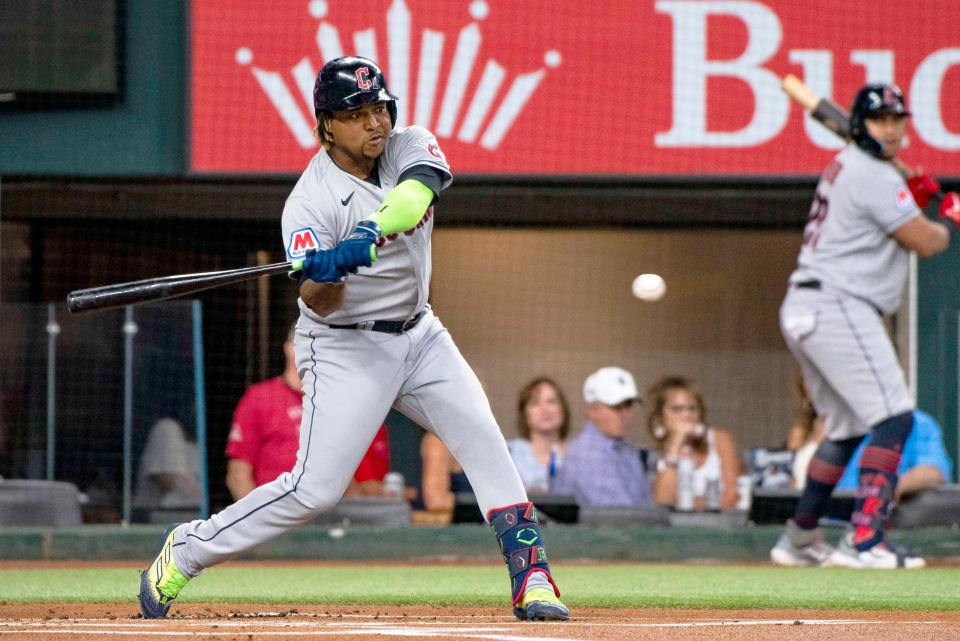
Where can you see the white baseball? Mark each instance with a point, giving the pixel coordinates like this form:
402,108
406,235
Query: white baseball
649,287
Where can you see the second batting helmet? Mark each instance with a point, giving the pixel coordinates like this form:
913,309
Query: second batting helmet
350,82
873,101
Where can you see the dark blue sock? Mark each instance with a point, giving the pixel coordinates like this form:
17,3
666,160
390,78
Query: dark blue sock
825,469
878,479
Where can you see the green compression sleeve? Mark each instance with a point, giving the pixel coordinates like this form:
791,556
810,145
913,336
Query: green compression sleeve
403,207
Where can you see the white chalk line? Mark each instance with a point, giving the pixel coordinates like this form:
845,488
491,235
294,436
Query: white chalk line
206,623
390,632
414,628
399,632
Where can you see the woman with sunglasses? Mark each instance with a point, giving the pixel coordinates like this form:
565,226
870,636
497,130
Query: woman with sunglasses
677,422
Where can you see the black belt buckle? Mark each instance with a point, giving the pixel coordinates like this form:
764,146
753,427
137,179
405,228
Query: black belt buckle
808,284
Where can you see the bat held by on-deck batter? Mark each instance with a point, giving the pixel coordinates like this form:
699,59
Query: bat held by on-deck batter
827,113
832,116
152,289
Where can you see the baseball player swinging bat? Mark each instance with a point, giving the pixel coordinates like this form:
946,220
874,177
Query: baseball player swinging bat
151,289
833,117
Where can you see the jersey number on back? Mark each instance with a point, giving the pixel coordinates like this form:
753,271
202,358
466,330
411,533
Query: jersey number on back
818,214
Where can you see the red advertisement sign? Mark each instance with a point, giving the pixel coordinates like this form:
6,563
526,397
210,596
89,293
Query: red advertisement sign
653,87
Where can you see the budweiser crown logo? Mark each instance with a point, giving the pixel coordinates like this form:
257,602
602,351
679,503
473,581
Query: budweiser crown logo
438,103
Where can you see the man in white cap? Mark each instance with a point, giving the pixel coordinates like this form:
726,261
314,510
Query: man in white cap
602,467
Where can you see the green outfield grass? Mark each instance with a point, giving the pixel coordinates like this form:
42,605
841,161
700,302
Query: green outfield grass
683,586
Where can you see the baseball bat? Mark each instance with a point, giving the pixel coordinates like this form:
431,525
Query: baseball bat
829,114
151,289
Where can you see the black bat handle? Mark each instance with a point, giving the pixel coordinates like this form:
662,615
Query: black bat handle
151,289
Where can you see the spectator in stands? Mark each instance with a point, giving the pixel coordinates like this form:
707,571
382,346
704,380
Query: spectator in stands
441,480
265,436
168,476
676,420
543,422
601,466
924,463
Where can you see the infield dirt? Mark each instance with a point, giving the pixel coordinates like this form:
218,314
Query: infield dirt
60,622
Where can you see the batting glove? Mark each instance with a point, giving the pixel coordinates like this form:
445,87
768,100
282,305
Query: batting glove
321,266
923,186
950,207
358,249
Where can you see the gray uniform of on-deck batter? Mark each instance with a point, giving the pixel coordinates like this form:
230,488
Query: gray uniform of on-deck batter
836,332
352,377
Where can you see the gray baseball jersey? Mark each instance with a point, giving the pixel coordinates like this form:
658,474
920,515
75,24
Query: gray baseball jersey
849,270
860,201
352,377
327,203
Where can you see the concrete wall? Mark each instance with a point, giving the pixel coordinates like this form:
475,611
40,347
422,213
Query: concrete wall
143,133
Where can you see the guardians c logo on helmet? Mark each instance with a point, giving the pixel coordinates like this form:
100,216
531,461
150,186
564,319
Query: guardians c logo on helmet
350,82
873,101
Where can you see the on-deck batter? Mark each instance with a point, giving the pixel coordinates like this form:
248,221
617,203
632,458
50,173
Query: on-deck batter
853,264
361,216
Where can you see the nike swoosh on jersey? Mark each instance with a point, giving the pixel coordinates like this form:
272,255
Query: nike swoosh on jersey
346,201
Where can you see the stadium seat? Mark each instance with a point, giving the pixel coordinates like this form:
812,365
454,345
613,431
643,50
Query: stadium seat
936,506
39,503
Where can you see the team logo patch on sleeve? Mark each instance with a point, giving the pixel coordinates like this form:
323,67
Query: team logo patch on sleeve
434,150
300,242
905,202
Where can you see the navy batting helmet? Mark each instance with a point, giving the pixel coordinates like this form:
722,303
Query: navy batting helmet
350,82
873,101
